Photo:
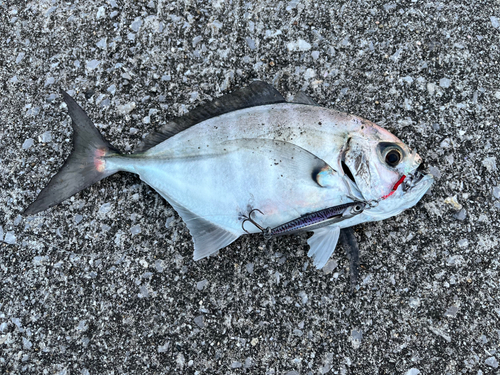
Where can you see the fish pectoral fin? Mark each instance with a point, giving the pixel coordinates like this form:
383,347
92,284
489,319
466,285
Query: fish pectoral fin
208,238
281,156
322,244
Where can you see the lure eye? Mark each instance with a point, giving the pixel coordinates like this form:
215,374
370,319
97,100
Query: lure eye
393,157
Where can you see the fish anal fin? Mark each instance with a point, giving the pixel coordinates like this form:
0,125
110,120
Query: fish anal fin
208,238
322,244
255,94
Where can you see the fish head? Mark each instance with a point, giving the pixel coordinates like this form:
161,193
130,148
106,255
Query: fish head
376,161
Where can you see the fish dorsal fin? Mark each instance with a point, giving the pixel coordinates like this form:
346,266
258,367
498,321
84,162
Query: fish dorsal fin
257,93
322,244
302,98
208,238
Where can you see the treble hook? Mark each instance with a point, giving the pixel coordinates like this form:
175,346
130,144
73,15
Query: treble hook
249,218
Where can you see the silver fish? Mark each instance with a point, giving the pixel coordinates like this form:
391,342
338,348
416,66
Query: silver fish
251,162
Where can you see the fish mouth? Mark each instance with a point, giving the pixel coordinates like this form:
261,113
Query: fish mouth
413,179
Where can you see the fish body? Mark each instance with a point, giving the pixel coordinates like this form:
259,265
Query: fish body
252,151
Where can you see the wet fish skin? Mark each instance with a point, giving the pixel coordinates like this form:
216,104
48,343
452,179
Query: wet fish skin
251,149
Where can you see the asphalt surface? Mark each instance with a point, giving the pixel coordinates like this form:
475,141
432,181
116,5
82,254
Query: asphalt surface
104,283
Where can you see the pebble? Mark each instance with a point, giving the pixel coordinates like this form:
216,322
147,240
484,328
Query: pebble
49,81
216,25
461,215
50,11
451,312
309,73
10,238
196,40
490,164
201,284
163,348
200,321
431,88
249,268
452,201
20,57
159,266
143,292
28,143
92,64
125,109
444,82
299,45
330,266
495,191
135,230
102,43
435,172
136,25
492,362
407,79
250,43
46,137
51,98
27,344
101,11
494,22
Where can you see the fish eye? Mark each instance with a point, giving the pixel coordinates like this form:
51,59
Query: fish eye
393,157
390,153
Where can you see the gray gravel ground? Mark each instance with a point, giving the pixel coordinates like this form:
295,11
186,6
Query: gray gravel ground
105,283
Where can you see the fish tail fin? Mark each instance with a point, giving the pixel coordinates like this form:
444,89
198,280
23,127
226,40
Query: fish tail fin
85,165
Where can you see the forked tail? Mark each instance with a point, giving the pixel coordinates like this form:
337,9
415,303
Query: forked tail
84,166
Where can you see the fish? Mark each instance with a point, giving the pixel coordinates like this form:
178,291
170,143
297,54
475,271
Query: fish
250,162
